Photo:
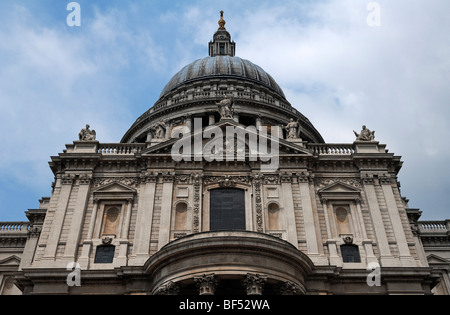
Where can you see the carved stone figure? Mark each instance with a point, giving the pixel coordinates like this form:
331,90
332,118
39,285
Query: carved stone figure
292,129
87,135
160,129
365,135
225,108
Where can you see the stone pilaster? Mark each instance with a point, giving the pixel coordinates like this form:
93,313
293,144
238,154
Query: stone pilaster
65,185
73,239
141,242
288,203
405,255
386,258
166,211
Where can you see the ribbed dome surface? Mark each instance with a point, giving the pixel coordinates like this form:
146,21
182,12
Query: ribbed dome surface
222,66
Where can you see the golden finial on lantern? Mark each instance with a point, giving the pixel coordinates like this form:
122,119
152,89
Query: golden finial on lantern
221,21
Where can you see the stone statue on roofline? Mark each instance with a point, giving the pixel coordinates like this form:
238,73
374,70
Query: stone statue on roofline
87,135
225,108
365,135
292,129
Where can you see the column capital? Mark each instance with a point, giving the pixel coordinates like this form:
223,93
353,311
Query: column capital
206,284
254,283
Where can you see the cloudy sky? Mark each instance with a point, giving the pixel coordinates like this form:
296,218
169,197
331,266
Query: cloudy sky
336,68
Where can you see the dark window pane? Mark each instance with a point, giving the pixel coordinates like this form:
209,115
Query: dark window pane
104,254
350,254
227,209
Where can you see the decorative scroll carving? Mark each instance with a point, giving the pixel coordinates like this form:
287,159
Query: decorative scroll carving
168,289
128,181
323,182
197,198
67,179
85,179
258,202
290,288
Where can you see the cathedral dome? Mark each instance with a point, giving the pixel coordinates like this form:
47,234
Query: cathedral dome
195,90
222,67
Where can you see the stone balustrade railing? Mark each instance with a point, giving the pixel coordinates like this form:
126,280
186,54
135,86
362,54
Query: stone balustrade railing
120,148
14,227
331,149
434,226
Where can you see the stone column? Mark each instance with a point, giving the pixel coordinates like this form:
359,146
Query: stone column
288,204
65,185
386,258
141,242
370,256
206,284
87,244
308,215
74,236
124,242
166,211
254,283
405,255
335,259
212,119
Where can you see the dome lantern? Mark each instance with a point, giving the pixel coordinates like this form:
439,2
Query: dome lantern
222,44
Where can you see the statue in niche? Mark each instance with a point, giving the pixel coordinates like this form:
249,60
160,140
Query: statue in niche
365,135
225,108
87,135
292,129
160,129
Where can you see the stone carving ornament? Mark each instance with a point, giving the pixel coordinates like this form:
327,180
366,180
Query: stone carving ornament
225,108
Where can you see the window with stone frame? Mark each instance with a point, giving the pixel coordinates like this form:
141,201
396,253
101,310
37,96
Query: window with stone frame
350,253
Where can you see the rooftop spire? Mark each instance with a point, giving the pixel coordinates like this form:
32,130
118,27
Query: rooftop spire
222,22
222,44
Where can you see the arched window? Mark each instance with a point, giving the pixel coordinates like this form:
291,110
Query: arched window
273,215
104,254
181,216
350,254
227,209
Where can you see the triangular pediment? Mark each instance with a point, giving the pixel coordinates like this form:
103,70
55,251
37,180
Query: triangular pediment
285,147
339,187
10,261
114,187
434,259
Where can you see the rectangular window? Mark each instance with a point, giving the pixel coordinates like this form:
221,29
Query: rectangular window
227,209
222,49
105,254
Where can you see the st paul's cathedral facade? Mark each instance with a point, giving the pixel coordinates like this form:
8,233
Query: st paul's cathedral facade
223,187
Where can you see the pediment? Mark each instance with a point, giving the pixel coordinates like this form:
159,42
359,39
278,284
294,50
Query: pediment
10,261
339,187
114,187
285,147
114,190
339,191
434,259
